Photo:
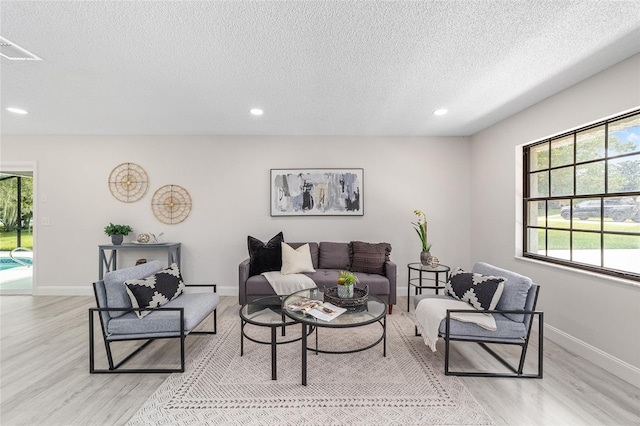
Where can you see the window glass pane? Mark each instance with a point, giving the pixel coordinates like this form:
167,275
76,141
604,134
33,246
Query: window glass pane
558,244
560,214
622,252
539,184
562,151
590,144
537,213
586,248
590,178
624,136
624,174
619,213
536,241
626,226
562,181
586,214
539,157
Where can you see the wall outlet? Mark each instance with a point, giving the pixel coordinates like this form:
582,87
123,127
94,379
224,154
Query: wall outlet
46,221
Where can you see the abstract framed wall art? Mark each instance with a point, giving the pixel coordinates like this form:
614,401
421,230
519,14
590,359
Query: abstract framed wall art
317,192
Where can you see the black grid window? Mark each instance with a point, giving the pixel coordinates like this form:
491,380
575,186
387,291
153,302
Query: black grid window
582,197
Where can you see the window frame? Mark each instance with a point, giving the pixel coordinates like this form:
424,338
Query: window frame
574,198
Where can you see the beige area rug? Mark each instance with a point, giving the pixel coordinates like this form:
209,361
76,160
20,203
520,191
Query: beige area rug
407,387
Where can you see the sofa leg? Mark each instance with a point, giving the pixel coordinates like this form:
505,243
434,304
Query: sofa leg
390,309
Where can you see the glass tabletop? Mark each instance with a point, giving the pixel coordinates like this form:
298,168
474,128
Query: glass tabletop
374,310
266,311
419,266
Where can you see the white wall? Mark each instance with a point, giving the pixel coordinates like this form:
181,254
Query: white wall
228,179
596,316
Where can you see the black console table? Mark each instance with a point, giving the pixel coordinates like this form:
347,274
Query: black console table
110,260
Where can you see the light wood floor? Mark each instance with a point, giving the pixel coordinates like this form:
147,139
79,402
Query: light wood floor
44,377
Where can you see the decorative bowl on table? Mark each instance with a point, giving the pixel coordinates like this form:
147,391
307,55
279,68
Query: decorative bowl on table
359,299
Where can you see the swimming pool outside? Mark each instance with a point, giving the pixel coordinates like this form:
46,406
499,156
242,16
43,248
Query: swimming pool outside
8,263
14,277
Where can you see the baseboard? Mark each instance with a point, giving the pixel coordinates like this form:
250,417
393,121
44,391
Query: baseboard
613,365
228,290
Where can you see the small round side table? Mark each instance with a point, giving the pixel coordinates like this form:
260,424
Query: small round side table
417,282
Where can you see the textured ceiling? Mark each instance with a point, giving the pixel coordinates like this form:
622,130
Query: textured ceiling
315,67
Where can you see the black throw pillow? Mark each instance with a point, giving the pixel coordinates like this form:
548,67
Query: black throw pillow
156,290
265,257
480,291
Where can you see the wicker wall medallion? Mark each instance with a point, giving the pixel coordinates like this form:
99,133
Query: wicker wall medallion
128,182
171,204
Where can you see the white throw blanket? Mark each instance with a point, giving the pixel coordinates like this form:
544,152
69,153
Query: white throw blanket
284,285
431,312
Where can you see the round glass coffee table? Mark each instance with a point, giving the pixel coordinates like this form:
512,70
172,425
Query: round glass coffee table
266,312
375,310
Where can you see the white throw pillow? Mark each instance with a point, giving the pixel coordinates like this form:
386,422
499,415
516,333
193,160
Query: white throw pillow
296,261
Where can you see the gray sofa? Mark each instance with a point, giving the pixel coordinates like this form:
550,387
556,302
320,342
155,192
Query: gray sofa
328,259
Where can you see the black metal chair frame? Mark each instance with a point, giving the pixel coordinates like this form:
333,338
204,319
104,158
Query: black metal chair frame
115,368
516,372
483,341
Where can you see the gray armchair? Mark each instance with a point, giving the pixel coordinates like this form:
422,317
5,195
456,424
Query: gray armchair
513,315
118,321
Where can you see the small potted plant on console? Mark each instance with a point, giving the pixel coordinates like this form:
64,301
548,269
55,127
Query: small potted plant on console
117,232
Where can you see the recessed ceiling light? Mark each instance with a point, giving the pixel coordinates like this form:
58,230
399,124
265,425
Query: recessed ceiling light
440,111
16,110
256,111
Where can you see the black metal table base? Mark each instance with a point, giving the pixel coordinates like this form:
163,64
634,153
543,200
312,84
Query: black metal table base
273,342
305,348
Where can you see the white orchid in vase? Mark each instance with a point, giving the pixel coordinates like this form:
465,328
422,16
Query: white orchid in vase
421,229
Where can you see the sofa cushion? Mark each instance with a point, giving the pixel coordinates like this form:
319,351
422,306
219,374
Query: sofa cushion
265,257
197,306
480,291
334,256
516,288
296,261
369,257
115,289
155,290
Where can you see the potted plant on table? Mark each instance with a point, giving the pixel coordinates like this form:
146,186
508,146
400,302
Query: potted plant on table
346,282
421,230
117,232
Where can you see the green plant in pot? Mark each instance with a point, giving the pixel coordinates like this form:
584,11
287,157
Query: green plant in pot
346,283
117,232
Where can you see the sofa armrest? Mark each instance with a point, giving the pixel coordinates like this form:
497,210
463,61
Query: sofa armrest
243,276
391,272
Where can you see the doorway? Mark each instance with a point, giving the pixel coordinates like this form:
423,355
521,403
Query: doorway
16,229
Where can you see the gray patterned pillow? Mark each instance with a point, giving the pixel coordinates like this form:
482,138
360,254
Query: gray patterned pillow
155,290
480,291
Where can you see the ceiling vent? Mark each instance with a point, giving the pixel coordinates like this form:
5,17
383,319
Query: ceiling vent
14,52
